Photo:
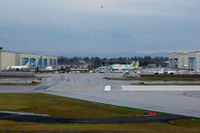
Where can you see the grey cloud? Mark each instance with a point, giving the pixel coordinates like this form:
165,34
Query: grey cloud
57,25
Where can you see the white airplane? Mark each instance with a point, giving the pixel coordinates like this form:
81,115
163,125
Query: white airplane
49,68
134,65
165,71
18,67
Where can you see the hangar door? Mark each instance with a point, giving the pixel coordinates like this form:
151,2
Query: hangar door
192,63
25,61
40,62
33,62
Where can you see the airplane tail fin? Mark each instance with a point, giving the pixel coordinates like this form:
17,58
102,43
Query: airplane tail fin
132,64
136,64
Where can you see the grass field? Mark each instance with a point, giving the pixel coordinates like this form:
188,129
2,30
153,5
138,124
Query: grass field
73,108
63,107
180,126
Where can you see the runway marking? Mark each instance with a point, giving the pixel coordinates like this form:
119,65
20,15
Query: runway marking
107,88
160,88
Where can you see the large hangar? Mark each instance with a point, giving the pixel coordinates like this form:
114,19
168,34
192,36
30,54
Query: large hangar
19,59
34,60
186,60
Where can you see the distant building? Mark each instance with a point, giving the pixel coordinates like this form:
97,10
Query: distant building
20,59
186,60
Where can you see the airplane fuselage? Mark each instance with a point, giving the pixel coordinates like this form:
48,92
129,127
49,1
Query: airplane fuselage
122,67
18,67
131,66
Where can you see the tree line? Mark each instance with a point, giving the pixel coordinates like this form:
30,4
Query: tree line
95,62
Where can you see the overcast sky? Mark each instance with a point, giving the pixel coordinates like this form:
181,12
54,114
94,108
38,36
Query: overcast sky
82,26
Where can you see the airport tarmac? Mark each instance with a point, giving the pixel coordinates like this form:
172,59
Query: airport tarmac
15,80
90,86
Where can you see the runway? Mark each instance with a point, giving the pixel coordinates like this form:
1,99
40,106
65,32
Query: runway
184,101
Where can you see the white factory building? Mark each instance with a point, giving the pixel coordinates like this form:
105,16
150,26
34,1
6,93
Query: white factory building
19,59
185,60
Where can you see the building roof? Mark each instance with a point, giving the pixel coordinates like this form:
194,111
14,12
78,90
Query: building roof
25,53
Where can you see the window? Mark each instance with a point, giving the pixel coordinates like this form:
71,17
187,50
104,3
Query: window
192,63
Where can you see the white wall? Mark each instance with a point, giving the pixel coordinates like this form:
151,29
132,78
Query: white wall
37,57
183,59
14,59
7,59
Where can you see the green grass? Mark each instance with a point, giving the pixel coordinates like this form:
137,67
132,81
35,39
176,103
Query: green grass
190,123
74,108
17,127
63,107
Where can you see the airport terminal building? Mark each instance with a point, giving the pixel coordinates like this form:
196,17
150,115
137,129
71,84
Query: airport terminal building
186,61
20,59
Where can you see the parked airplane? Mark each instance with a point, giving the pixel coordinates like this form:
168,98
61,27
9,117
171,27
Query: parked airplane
18,67
49,68
165,71
134,65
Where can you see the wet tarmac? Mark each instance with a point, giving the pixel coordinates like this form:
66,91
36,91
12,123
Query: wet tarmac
15,80
90,86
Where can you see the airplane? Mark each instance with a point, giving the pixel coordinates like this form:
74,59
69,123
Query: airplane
165,71
49,68
133,66
18,67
